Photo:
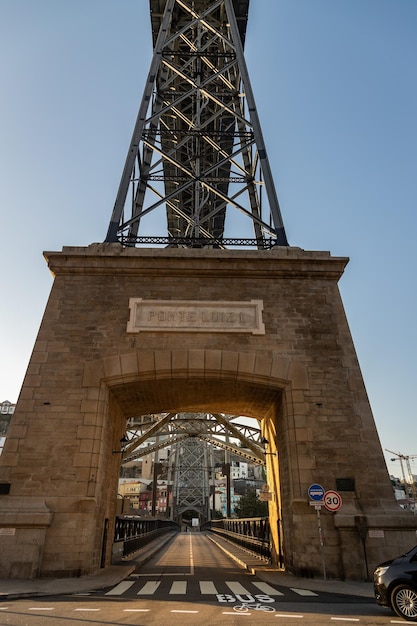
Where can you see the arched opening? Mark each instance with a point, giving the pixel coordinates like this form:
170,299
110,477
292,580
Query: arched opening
211,393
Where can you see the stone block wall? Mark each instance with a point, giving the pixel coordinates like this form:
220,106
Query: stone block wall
89,372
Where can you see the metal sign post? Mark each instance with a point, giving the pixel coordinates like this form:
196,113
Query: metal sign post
323,559
316,494
329,499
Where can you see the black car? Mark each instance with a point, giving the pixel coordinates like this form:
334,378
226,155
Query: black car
395,585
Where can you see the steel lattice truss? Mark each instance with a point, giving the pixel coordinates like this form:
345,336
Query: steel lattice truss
191,438
191,483
197,148
158,431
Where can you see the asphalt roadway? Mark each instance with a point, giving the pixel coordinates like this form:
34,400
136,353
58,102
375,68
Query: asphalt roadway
110,576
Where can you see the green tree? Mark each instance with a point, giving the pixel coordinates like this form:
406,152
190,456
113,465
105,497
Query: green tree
251,506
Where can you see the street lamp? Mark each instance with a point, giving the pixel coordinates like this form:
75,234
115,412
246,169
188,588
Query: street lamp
123,441
265,442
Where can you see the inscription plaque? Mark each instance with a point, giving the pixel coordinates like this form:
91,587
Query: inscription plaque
195,316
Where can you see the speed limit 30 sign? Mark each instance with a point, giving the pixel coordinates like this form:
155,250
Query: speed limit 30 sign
332,501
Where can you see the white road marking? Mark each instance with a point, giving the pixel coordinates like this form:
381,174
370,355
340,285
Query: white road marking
236,614
88,610
120,588
161,574
289,616
178,587
207,587
303,592
265,588
136,610
345,619
149,588
179,611
237,588
191,557
41,608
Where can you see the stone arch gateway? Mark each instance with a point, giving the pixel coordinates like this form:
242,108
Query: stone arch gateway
132,331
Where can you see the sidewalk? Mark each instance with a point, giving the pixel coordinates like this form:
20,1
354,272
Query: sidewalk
110,576
271,575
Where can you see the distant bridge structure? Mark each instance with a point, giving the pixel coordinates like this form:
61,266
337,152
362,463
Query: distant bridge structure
191,439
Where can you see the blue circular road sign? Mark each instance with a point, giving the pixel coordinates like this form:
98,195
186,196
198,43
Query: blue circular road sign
316,492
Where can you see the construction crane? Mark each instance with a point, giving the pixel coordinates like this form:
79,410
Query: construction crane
406,459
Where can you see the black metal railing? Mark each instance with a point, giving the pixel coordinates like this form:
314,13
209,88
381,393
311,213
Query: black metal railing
251,533
136,533
265,243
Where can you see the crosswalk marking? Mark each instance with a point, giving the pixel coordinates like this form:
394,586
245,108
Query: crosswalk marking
178,587
120,588
303,592
236,588
207,587
149,588
265,588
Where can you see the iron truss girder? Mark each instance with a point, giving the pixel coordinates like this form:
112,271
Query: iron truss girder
168,430
256,459
152,448
197,148
193,424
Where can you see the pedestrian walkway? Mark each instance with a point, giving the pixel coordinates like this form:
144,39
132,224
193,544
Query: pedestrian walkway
272,575
110,577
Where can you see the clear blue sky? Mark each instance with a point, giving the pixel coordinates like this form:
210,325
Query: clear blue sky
336,87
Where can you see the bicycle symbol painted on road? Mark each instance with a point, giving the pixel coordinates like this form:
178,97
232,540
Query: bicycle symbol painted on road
244,608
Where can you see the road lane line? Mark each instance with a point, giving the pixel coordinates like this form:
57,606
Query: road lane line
236,614
191,557
265,588
160,574
120,588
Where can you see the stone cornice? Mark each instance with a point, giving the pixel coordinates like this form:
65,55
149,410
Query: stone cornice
99,259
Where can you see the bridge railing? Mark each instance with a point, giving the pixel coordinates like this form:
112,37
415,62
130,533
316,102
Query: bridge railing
251,533
134,533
